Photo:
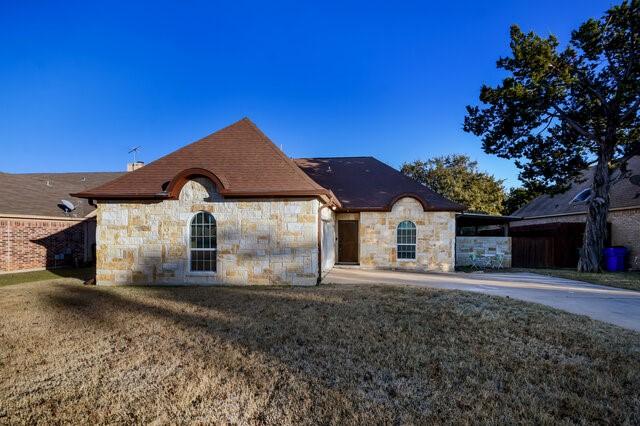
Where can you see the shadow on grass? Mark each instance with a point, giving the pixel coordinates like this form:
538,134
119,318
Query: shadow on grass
399,355
47,274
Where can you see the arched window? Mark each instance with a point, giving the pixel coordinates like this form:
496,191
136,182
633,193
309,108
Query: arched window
406,240
203,243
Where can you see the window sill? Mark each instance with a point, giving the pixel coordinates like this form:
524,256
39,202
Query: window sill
201,274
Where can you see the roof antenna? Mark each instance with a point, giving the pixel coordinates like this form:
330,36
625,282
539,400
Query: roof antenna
134,151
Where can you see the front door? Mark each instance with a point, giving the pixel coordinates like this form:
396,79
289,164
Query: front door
348,241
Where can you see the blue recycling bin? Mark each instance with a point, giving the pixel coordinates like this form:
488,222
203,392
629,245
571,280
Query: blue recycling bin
614,258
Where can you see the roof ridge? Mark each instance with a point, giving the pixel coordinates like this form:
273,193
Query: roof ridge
345,156
58,173
410,179
126,175
222,151
279,152
202,139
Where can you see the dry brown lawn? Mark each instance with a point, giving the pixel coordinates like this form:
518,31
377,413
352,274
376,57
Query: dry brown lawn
330,354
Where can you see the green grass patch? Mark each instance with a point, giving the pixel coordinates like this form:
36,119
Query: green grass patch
629,280
50,274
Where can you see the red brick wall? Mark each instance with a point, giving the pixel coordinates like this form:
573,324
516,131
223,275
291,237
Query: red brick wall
35,243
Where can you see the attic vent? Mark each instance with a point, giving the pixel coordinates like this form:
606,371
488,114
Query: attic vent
582,196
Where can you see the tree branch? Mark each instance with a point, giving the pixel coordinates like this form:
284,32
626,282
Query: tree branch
546,126
632,109
587,85
621,165
563,116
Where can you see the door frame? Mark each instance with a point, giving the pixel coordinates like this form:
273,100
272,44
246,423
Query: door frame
357,222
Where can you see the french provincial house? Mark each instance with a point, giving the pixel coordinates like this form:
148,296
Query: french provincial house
232,208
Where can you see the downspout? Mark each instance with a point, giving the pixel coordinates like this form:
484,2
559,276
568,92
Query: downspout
319,279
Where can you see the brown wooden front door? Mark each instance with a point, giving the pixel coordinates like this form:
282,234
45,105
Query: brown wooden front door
348,241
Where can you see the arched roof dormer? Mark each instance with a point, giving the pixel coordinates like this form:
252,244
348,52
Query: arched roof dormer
179,180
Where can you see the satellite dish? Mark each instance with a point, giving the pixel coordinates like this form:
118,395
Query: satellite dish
67,206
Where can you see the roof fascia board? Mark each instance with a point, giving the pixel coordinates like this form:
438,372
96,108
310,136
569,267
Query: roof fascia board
615,209
36,217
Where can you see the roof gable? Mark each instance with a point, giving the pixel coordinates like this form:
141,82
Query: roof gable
240,159
365,183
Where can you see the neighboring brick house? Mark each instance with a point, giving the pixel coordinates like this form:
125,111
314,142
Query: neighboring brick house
35,232
570,207
232,208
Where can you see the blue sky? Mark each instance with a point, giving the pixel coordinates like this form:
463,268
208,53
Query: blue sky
82,82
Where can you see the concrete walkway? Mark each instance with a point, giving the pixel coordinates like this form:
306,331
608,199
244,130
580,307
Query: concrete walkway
616,306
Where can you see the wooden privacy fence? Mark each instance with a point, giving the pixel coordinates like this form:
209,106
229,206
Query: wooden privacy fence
549,245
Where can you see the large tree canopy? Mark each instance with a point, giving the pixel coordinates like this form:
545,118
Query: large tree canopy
457,177
561,108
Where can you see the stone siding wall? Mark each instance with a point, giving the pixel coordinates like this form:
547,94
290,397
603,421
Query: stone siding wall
435,238
625,229
31,244
258,241
487,247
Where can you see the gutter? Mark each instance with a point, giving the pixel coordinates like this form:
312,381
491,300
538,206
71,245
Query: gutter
319,280
326,195
617,209
58,218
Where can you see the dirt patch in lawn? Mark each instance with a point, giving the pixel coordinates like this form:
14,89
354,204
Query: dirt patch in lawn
329,354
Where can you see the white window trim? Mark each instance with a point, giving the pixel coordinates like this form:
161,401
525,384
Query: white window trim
189,272
415,245
404,259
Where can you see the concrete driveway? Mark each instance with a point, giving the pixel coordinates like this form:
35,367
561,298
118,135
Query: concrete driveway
616,306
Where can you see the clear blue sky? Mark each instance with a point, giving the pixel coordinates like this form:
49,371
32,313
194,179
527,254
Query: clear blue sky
82,82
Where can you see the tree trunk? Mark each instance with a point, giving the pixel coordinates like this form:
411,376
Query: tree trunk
595,233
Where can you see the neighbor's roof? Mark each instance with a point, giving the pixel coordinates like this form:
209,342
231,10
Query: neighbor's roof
625,193
365,183
38,194
240,158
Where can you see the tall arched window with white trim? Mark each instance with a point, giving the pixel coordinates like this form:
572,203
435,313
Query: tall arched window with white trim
406,240
203,244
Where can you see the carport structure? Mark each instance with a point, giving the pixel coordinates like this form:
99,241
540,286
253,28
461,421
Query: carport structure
483,240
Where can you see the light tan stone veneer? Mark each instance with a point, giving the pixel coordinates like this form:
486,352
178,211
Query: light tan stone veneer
266,241
435,238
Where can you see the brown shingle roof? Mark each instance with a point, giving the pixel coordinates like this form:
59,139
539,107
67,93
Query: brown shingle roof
240,158
365,183
38,194
624,193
